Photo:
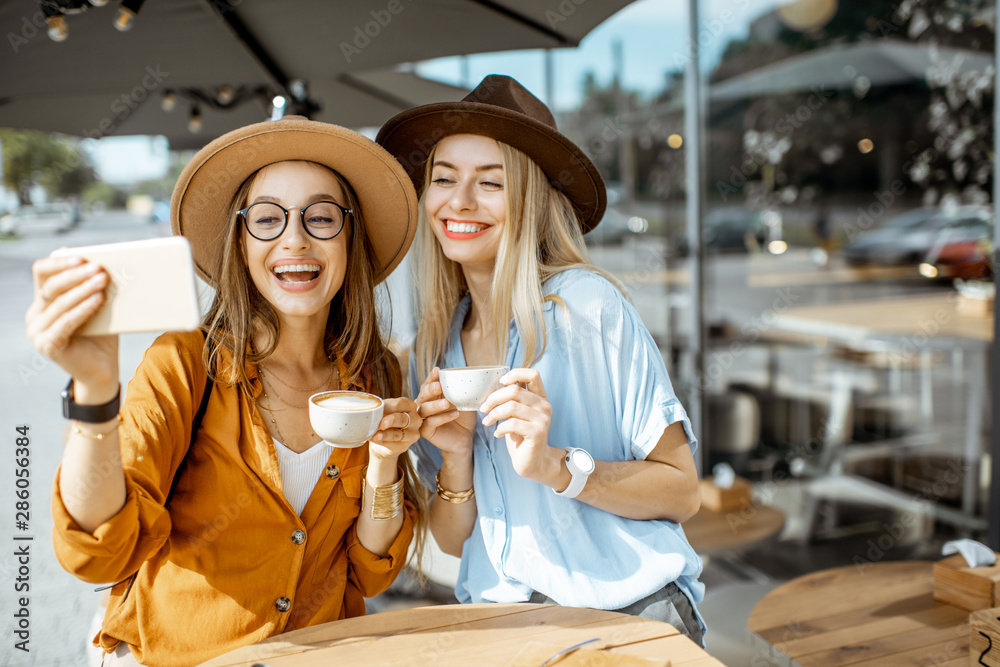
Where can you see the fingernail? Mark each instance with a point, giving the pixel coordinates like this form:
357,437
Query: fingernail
94,298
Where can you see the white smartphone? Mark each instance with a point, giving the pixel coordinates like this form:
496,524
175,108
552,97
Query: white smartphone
152,286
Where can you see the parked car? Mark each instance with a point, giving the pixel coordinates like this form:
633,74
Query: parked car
616,224
910,236
60,215
739,229
962,250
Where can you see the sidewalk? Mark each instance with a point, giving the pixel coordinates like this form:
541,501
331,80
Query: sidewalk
60,606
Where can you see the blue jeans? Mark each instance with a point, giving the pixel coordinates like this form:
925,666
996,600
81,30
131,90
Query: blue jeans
669,604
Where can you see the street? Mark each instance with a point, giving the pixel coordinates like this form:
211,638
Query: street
61,607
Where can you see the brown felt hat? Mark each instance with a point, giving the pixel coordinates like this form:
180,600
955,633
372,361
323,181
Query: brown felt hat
502,109
200,204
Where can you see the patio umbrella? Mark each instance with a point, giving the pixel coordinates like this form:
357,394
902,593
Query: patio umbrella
224,60
883,63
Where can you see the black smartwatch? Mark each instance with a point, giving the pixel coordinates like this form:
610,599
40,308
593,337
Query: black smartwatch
90,414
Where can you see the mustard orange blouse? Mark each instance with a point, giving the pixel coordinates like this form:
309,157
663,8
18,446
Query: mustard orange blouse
231,562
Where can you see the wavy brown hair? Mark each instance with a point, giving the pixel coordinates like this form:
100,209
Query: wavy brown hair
352,332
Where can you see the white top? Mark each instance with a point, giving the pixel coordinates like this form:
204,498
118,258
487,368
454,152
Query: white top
300,472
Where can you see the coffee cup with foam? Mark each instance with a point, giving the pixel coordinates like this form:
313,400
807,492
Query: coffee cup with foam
345,418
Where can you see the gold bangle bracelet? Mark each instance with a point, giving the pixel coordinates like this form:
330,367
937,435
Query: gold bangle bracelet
387,501
97,436
456,497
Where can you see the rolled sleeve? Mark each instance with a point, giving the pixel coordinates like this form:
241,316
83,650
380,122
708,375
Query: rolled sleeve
115,550
155,427
373,573
638,377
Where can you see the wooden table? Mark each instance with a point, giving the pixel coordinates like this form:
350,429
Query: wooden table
864,615
911,323
716,532
482,635
938,315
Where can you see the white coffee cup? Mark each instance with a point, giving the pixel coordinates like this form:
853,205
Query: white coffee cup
468,387
345,418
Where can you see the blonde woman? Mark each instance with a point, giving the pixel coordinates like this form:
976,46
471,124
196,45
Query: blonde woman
219,516
570,484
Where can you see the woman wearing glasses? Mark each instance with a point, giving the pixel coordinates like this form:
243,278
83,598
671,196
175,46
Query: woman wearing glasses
206,496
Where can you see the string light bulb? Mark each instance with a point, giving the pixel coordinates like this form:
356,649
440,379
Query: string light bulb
98,3
278,107
194,122
124,20
169,101
58,29
127,12
224,95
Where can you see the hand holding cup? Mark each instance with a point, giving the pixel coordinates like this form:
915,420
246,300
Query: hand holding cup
345,418
468,387
443,425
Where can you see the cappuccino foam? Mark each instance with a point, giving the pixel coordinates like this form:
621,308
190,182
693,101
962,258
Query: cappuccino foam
347,402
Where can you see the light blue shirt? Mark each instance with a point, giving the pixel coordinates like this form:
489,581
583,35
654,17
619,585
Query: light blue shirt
610,395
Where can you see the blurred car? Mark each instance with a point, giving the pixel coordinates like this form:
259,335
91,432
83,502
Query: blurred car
616,225
61,215
962,250
909,237
738,229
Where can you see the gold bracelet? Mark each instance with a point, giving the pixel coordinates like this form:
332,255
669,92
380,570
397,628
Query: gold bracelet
97,436
456,497
387,501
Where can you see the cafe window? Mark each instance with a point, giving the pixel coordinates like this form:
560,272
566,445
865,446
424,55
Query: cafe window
847,237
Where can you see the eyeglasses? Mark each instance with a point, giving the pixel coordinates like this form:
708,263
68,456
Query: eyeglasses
267,221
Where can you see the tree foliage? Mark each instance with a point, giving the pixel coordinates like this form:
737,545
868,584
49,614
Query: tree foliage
38,158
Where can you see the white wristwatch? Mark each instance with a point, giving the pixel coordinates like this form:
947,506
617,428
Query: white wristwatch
580,464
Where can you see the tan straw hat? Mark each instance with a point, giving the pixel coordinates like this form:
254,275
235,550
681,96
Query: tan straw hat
200,204
502,109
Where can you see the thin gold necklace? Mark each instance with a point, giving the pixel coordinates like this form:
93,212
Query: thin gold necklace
277,395
281,436
274,376
272,411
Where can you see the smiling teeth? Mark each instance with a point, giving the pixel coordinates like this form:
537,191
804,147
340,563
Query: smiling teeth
464,227
295,268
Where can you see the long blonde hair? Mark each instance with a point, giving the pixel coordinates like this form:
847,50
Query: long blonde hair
541,237
352,331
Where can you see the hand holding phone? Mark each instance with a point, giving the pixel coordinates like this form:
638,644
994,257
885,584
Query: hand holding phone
152,286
